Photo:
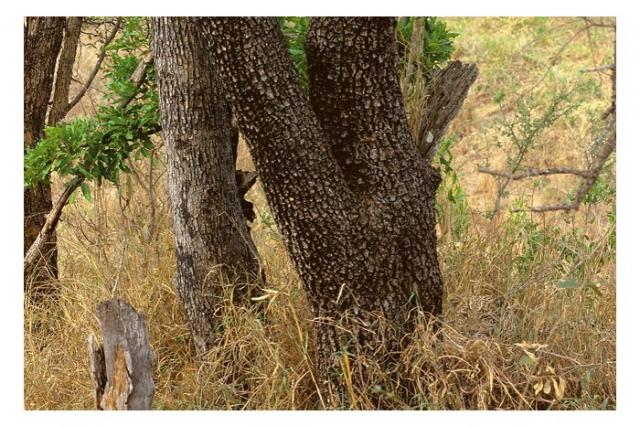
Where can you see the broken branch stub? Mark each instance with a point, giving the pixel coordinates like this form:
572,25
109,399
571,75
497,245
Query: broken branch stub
446,92
122,368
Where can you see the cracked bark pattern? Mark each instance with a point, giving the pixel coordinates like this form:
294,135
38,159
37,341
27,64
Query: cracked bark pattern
355,93
212,239
42,41
352,197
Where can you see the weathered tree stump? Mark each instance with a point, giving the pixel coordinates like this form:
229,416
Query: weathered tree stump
122,367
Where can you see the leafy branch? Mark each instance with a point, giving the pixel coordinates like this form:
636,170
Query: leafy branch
96,148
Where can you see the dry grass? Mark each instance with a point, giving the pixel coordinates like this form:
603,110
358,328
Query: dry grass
512,336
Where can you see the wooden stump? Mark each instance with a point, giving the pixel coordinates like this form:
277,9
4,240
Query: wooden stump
122,367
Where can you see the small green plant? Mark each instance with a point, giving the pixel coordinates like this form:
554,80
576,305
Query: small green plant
524,128
457,205
527,235
520,133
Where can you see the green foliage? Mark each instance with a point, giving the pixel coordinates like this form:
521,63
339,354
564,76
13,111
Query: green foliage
527,236
456,206
601,191
523,129
97,148
294,29
437,41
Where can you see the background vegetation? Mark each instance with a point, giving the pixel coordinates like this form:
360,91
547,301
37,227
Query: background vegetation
530,310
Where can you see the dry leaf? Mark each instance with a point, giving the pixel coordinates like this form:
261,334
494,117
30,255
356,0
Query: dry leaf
561,388
537,387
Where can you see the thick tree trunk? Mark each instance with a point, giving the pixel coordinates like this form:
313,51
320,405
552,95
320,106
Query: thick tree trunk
213,244
42,40
349,191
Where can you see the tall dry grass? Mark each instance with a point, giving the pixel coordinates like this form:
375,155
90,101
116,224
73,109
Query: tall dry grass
529,318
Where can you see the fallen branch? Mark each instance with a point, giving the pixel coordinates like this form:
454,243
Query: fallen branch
35,251
535,172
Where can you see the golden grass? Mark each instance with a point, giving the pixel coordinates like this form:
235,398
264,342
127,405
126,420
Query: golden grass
512,336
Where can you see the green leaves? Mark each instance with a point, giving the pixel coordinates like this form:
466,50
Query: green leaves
97,148
457,203
86,192
437,42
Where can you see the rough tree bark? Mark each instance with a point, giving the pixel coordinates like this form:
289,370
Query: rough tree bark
350,193
42,41
213,244
446,92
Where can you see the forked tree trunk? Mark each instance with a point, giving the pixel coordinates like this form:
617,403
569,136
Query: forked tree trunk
213,244
42,40
350,193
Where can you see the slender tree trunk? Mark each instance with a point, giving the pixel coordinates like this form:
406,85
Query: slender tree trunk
213,244
42,40
350,193
64,70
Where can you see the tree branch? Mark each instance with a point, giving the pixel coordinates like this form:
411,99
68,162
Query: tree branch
31,257
606,67
96,68
536,172
589,179
53,217
446,93
138,77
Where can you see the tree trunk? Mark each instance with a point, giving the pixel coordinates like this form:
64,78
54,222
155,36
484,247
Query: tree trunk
42,40
213,244
349,191
64,70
